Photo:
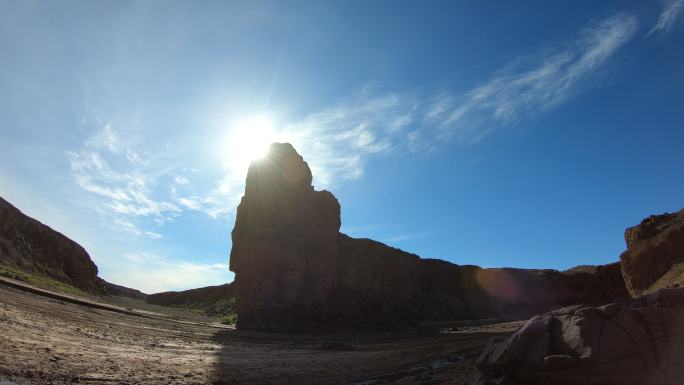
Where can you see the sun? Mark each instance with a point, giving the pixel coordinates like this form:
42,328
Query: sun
250,141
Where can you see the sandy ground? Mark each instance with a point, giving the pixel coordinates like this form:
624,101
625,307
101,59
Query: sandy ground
50,341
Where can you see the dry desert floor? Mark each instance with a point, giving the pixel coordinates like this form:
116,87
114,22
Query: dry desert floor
52,340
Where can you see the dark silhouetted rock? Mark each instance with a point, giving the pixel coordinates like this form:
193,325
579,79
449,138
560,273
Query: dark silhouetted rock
295,270
655,254
30,246
284,243
634,342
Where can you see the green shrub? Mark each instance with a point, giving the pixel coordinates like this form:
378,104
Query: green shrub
230,319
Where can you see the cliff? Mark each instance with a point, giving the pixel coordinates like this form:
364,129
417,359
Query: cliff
654,258
295,270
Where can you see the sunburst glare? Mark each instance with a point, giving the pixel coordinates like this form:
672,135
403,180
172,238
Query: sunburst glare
249,141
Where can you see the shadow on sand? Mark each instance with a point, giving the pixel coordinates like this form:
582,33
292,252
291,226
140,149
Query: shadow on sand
427,356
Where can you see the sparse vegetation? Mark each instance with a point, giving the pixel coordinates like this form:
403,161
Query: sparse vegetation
230,319
212,301
223,309
39,280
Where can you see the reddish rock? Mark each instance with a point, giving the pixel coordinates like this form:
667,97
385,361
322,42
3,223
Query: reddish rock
295,270
655,254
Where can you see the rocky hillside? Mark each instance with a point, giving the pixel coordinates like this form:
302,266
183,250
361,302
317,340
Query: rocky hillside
122,291
655,254
211,300
33,252
30,246
295,270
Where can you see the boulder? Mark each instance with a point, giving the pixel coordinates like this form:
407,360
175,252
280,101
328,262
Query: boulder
295,270
633,342
654,257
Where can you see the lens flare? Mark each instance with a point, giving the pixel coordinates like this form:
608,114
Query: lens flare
250,141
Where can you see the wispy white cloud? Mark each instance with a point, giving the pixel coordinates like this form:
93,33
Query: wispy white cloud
143,257
222,199
127,226
124,194
104,139
153,235
532,84
338,141
189,203
668,16
440,105
152,273
408,237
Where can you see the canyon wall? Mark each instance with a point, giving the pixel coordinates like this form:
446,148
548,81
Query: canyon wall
294,270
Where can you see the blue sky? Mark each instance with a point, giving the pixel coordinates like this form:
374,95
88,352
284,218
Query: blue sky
525,134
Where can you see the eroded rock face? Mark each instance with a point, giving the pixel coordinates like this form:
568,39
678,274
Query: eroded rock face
284,243
208,294
294,269
655,254
30,246
634,342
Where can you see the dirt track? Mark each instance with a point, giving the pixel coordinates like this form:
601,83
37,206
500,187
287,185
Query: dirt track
47,340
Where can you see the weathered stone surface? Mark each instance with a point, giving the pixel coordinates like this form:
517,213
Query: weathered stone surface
30,246
295,270
655,254
634,342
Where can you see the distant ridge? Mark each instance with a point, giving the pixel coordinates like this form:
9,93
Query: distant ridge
32,247
213,301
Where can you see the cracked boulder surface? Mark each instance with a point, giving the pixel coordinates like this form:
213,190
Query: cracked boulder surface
634,342
655,254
